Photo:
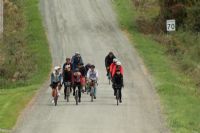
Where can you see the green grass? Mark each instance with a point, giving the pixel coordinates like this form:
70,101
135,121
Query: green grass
177,91
14,100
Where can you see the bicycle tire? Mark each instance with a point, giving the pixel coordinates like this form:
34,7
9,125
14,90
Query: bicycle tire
68,93
76,97
55,100
117,97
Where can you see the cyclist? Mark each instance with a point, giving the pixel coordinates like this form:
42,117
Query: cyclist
116,67
76,59
92,75
67,78
113,65
77,82
87,67
108,61
56,77
68,62
118,83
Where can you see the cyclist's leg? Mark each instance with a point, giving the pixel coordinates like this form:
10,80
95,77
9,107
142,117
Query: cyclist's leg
120,93
65,91
79,90
115,90
74,87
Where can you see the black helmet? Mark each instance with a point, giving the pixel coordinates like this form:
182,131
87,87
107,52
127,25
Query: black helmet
111,53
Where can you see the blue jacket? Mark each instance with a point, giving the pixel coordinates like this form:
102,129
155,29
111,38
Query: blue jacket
56,77
75,61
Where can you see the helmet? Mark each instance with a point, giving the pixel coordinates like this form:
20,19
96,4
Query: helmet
110,53
56,68
92,66
115,60
77,53
118,63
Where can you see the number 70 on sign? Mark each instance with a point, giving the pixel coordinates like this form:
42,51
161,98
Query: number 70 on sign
171,25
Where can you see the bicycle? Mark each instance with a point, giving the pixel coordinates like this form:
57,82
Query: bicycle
117,87
92,85
55,95
76,95
67,90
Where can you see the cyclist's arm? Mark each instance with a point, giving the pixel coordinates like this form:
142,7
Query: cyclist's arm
88,74
122,70
106,63
52,78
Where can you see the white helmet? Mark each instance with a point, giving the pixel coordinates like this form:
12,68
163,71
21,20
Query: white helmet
115,60
56,68
118,63
77,53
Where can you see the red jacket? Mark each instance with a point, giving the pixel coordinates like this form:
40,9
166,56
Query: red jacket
111,67
115,68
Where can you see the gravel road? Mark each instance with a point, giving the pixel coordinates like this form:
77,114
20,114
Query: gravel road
90,27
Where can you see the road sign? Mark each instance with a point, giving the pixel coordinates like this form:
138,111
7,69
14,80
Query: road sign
171,25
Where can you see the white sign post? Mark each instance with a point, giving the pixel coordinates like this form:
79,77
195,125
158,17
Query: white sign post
171,25
1,17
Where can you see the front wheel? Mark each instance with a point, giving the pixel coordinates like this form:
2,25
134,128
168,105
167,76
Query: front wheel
55,100
68,93
92,93
117,97
76,97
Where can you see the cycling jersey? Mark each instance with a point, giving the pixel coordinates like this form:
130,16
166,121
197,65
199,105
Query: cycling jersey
77,77
92,75
56,77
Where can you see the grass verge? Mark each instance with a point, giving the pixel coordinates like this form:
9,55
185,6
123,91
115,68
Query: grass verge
177,91
14,100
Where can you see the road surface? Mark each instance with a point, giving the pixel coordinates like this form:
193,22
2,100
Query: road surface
90,27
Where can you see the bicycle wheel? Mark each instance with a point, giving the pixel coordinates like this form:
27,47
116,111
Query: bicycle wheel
117,97
68,93
55,100
55,95
92,93
76,97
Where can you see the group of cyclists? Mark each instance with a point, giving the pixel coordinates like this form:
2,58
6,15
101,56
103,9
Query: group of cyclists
75,73
115,73
83,76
